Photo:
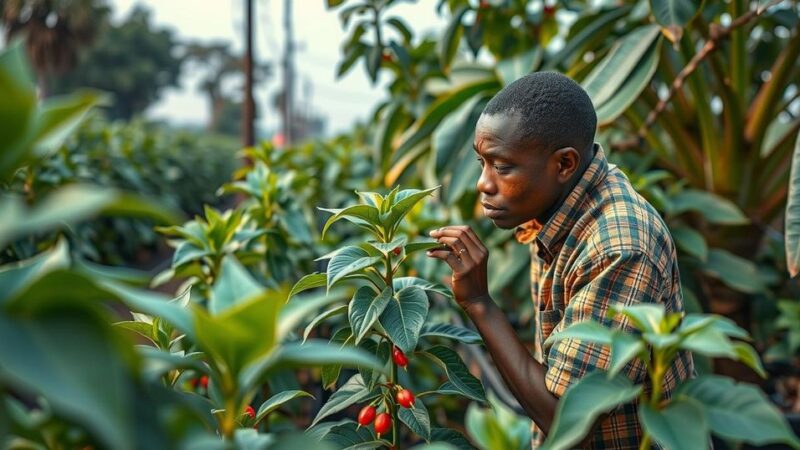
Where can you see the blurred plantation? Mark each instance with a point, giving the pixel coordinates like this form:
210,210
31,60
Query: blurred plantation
265,302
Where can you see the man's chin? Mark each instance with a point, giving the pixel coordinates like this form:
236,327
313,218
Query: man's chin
505,223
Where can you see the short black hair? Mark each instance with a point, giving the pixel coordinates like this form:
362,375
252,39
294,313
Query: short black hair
554,110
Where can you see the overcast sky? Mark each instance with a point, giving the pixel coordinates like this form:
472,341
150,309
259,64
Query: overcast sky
318,33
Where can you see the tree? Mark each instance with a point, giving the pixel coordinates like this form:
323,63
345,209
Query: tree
134,61
55,31
220,67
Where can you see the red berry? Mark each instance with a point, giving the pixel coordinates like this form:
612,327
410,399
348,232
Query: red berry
549,10
366,416
405,398
483,4
396,251
399,357
204,381
383,423
250,411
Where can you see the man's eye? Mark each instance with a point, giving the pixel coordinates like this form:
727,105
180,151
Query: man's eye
502,169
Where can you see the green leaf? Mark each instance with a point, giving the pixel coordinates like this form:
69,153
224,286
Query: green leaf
691,323
365,308
241,334
710,342
690,241
154,304
350,393
714,208
310,281
349,260
403,203
404,316
738,411
736,272
512,69
17,109
587,331
645,317
374,57
631,88
451,437
680,426
417,419
401,28
403,282
792,220
610,74
233,286
276,401
141,328
674,15
624,348
583,403
350,436
449,331
312,353
748,355
16,277
395,118
421,246
441,108
448,44
300,308
341,309
599,22
359,214
71,358
457,372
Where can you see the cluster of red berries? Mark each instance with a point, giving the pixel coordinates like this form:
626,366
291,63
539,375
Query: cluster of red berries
200,382
403,397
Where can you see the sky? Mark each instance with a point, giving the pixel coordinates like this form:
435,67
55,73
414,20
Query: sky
318,34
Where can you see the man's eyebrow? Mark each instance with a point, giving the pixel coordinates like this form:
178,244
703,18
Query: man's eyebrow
492,152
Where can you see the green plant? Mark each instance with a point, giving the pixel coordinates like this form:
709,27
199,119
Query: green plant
387,311
697,408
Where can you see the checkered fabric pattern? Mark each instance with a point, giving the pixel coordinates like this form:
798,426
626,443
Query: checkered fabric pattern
604,245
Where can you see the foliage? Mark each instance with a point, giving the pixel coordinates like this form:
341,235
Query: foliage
177,169
386,314
698,407
54,31
133,61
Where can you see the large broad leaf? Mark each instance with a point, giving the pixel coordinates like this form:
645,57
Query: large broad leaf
583,403
599,23
626,55
309,281
241,334
709,342
458,374
441,108
646,317
348,261
351,436
631,88
737,272
365,308
449,331
359,214
350,393
18,276
277,400
680,426
17,108
673,15
395,118
624,348
586,331
715,209
451,437
233,286
312,353
514,68
417,419
690,241
738,411
455,133
793,214
302,307
336,310
403,202
448,44
72,359
401,283
404,316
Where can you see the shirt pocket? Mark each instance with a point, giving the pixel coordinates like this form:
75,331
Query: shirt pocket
548,320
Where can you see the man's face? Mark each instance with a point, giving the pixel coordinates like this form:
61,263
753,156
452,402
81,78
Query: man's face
518,181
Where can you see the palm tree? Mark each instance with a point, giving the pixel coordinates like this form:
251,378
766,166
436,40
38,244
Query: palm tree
54,31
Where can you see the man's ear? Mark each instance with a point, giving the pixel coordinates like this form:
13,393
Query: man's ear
567,160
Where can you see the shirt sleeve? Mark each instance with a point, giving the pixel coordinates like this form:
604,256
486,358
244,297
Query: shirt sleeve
622,277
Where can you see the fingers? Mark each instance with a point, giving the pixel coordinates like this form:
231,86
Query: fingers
447,256
460,237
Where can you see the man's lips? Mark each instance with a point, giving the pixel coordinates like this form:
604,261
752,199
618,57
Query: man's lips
490,206
491,211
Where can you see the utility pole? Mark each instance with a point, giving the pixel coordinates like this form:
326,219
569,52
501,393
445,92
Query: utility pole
248,107
288,74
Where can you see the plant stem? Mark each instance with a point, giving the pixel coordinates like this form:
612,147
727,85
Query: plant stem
394,410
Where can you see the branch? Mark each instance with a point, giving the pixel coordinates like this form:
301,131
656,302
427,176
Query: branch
717,34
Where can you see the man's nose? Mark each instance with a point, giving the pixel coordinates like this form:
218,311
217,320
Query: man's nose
485,183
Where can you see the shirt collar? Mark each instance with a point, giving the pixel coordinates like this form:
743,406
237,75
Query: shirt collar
549,236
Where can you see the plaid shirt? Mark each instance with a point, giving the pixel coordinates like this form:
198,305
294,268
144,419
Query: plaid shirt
605,244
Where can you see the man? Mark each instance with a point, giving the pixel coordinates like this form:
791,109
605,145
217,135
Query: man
594,242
